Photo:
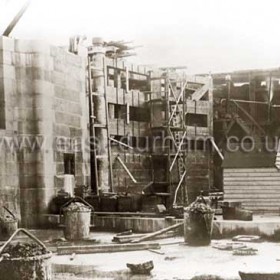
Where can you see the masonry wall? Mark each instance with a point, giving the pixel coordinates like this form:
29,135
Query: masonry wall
44,98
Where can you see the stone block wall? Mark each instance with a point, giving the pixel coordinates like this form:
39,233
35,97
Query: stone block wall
42,101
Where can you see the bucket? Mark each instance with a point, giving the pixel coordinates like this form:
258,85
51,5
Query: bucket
77,217
9,225
198,224
36,267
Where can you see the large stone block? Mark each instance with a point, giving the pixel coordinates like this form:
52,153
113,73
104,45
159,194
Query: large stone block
74,60
7,71
6,57
62,92
43,87
67,119
7,44
42,61
22,59
31,46
23,46
59,78
42,74
67,106
23,86
27,181
61,130
73,84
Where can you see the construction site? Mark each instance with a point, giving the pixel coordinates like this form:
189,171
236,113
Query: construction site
115,170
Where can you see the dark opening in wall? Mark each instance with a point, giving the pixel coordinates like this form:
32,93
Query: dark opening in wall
139,114
69,164
119,111
141,85
196,120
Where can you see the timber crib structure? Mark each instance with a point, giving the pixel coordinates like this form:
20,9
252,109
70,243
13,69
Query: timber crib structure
153,129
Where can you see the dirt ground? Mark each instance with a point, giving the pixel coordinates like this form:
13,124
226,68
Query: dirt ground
176,261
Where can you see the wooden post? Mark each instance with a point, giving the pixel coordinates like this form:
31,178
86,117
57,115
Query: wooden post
93,160
108,125
159,232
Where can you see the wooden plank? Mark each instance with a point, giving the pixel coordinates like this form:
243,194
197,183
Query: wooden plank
199,93
245,184
108,126
249,170
15,20
105,248
216,148
255,196
267,208
126,169
246,175
251,179
255,190
252,188
138,214
249,192
159,232
250,117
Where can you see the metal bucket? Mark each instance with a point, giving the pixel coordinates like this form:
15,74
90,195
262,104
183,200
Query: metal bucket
25,268
198,228
8,226
77,219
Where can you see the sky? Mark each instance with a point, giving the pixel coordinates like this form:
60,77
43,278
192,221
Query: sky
203,35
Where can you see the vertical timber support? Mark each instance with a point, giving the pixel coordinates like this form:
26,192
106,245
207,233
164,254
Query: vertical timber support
93,160
98,55
252,95
108,124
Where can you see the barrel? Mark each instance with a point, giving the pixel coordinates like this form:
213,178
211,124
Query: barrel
77,218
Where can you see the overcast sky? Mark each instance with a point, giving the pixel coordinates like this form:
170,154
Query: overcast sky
204,35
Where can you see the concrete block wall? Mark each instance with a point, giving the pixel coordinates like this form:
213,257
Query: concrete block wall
43,95
9,169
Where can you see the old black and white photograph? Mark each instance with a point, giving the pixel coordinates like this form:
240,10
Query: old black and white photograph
139,140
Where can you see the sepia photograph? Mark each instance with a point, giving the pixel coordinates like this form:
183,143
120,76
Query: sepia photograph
139,140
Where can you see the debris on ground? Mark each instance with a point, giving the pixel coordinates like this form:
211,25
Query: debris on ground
141,268
259,275
247,238
228,246
245,251
207,277
156,252
170,258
